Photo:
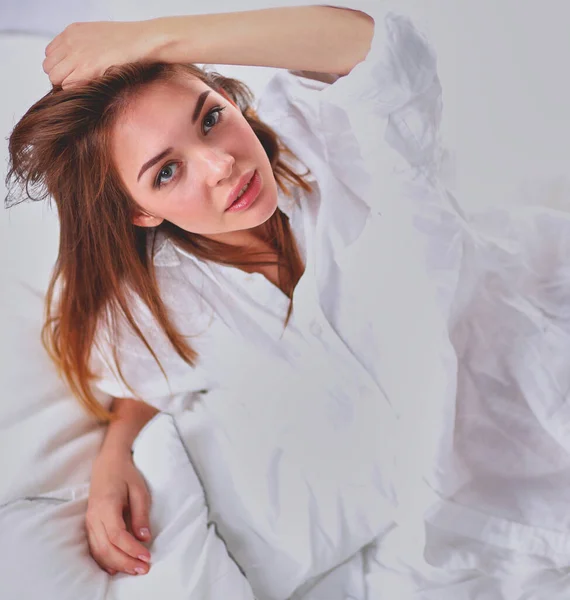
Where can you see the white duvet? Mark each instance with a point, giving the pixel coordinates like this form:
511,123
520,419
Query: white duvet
486,519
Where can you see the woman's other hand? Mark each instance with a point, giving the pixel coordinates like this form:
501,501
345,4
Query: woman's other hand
83,51
117,519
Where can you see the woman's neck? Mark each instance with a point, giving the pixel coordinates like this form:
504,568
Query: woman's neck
250,239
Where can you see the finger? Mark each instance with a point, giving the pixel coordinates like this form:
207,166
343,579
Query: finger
139,503
116,532
111,558
109,555
96,546
61,71
72,82
79,76
53,45
52,60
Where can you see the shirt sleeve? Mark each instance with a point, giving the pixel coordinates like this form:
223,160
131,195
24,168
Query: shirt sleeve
397,85
382,118
169,391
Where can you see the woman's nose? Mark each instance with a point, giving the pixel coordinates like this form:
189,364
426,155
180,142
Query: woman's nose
218,165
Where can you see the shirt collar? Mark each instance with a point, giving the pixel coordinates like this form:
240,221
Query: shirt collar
165,254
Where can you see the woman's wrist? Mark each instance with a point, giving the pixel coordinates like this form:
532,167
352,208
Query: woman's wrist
311,38
130,417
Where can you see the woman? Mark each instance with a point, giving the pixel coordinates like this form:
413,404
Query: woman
200,267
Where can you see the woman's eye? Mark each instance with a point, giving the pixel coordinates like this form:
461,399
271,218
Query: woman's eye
212,118
169,172
166,174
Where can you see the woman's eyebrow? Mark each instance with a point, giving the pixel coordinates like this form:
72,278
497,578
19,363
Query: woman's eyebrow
197,110
149,163
199,104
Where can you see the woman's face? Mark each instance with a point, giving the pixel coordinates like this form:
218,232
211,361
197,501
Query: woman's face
184,159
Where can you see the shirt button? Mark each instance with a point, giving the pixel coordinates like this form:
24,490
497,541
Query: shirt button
316,329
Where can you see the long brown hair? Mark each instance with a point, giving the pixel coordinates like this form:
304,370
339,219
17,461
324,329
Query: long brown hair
61,148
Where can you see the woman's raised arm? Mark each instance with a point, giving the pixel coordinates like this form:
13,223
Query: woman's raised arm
323,39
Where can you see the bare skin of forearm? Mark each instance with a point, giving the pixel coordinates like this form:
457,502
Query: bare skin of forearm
310,38
131,416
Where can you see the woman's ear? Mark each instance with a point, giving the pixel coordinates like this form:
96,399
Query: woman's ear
146,220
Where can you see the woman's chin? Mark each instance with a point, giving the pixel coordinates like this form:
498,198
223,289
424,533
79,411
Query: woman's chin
260,211
268,211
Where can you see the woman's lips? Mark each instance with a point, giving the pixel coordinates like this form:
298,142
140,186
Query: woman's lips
248,197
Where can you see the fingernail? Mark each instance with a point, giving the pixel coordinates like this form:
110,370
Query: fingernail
144,558
130,571
140,570
144,532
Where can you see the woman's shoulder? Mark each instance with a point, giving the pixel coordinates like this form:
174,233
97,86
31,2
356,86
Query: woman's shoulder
126,347
178,285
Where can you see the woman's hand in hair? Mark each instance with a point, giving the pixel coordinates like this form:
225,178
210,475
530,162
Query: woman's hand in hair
323,39
83,51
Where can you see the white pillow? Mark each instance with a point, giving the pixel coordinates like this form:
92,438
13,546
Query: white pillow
45,555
